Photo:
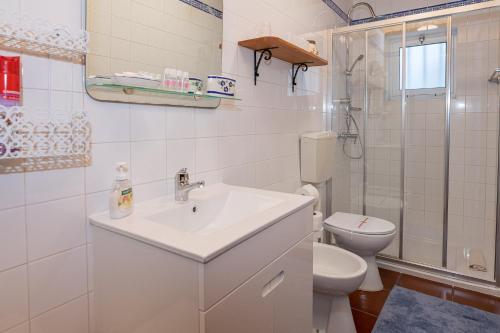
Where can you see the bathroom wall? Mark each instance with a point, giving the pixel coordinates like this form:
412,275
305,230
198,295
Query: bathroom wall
45,243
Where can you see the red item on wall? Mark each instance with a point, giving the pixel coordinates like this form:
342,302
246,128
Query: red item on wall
10,80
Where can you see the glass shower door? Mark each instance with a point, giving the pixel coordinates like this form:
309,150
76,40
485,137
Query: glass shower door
382,178
472,211
425,147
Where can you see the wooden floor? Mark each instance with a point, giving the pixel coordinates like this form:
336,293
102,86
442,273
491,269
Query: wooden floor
366,306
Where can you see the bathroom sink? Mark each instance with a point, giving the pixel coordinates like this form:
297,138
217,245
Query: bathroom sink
213,220
213,213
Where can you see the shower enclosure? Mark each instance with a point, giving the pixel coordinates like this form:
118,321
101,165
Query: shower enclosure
424,151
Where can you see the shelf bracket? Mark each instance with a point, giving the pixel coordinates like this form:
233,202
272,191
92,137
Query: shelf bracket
295,72
264,53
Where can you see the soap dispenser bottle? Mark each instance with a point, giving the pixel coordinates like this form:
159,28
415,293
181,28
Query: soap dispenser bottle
121,200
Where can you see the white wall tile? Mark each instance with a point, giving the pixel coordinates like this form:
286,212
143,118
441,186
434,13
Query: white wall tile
206,154
70,317
180,154
12,5
12,238
57,279
236,150
13,297
92,323
90,266
236,122
55,226
206,123
180,123
147,122
110,121
61,75
12,190
101,174
35,72
54,184
242,175
68,11
23,328
148,191
149,162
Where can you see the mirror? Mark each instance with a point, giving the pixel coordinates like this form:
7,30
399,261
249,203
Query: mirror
154,51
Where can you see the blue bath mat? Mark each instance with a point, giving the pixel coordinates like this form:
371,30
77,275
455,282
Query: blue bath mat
410,311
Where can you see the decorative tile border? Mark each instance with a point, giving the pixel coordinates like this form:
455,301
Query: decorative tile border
419,10
204,7
336,9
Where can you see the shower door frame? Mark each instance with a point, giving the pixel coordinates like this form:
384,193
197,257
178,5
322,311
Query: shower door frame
444,14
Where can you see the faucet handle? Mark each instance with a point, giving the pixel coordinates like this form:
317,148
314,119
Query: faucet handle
182,176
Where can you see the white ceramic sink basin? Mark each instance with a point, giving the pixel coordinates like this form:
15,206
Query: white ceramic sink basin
215,219
214,213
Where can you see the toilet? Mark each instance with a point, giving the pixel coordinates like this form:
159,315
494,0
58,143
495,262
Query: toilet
337,273
365,236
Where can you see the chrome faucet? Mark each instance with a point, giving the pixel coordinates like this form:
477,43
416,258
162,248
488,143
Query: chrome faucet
183,187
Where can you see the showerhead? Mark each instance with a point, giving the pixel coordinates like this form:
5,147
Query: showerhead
359,58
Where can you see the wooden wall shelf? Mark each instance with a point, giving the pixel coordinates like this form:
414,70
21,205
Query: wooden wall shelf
270,46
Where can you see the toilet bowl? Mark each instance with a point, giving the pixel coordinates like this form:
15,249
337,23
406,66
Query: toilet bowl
365,236
337,273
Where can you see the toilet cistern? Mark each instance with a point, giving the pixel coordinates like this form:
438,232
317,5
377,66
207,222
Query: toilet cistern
183,187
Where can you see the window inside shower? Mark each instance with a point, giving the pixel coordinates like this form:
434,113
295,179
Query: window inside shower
425,66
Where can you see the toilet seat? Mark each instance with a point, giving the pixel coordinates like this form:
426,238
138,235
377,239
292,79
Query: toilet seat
359,224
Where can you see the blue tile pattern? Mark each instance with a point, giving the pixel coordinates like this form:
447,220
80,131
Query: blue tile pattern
204,7
420,10
336,9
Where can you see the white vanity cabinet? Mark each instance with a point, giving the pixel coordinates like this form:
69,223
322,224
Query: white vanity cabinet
257,284
278,299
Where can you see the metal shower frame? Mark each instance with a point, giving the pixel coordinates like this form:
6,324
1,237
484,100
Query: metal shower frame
403,21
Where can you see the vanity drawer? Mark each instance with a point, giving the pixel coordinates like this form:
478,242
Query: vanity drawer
276,300
231,269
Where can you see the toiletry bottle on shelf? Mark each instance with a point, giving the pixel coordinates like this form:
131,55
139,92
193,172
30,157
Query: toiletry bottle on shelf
121,200
185,82
178,81
164,80
169,79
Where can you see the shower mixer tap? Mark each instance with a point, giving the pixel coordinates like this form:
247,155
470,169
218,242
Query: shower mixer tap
348,135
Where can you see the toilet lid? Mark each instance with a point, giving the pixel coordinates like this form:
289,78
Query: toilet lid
360,224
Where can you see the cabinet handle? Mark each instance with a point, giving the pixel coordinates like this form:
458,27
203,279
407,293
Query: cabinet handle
273,284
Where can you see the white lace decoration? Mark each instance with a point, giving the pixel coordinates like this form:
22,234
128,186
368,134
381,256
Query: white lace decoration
38,133
35,35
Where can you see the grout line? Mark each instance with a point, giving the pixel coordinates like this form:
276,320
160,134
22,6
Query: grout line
58,306
28,289
87,230
364,312
56,253
16,326
26,205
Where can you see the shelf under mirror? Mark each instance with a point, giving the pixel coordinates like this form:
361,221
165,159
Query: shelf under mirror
132,90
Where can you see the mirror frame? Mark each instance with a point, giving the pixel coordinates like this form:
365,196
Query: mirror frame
191,103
